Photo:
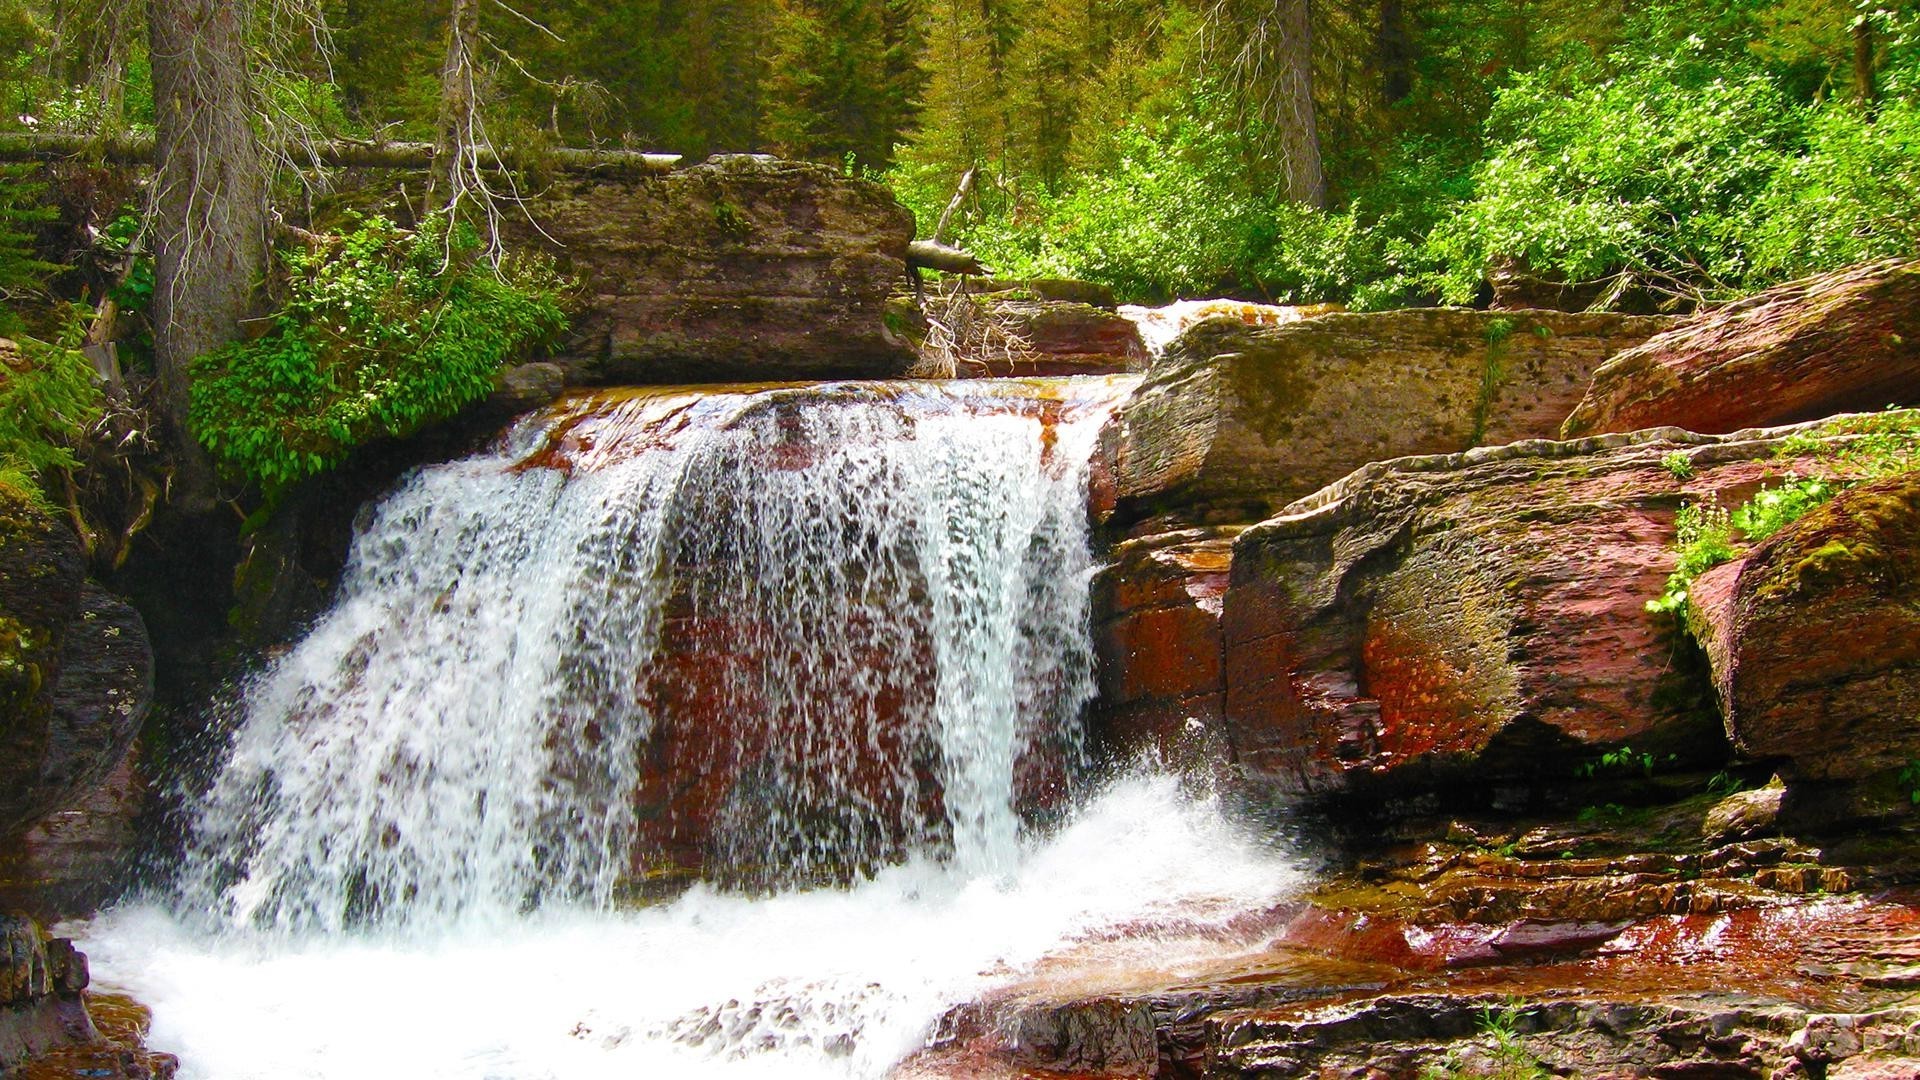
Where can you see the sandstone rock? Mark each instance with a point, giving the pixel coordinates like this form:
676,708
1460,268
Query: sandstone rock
742,268
1067,338
1158,644
76,672
1814,636
1476,618
1842,342
1235,421
1745,813
1061,290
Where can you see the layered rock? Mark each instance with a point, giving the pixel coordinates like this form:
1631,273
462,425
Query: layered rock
76,671
1772,623
1479,618
1064,337
1842,342
743,268
1158,643
1235,421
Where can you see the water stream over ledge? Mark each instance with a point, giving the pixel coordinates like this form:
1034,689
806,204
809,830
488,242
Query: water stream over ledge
824,648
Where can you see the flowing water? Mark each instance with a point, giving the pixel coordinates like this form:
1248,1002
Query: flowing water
825,648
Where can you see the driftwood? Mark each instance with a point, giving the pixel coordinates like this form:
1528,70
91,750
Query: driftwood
937,256
341,153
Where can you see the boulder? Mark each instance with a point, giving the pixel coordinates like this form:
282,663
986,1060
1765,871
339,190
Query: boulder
1236,420
76,671
1773,623
1842,342
1479,619
744,268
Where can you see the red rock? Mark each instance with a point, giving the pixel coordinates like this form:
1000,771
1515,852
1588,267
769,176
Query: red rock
1235,421
1814,636
1067,338
1843,342
1158,643
1475,618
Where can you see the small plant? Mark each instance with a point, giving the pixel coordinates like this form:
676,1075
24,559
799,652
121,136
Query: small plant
1623,760
1723,784
1772,509
1704,536
1909,777
47,402
1678,464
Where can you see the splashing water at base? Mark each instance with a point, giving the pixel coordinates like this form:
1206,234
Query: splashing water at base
827,983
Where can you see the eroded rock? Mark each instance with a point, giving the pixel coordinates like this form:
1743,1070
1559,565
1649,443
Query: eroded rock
1842,342
1774,624
1235,420
743,268
1478,618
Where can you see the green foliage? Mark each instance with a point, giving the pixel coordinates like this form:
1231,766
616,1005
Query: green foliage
1909,780
1773,508
1623,760
23,272
47,402
1704,538
383,331
1678,465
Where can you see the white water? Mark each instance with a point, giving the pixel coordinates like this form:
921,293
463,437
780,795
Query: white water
408,867
829,983
1160,325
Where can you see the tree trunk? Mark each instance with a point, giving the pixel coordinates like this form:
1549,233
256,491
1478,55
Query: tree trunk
1394,51
1865,88
209,208
139,150
458,139
1295,122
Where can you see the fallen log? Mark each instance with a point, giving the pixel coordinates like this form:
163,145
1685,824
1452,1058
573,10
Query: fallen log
337,153
932,255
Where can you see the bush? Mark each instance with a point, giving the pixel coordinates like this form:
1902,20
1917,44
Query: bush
1651,174
384,331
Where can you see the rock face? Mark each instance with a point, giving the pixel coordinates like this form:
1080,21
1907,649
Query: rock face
1848,572
1158,643
1235,421
743,268
1476,618
1848,341
76,672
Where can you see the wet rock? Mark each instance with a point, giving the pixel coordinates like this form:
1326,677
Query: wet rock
1476,619
1745,813
76,671
742,268
1842,342
40,984
1235,421
1843,573
1105,1038
524,388
74,860
1158,644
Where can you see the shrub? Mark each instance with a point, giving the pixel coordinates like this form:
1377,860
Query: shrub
384,331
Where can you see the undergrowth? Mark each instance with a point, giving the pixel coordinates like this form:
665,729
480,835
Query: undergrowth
384,331
1864,447
47,401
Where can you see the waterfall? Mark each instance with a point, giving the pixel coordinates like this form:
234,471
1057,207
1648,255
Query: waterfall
773,636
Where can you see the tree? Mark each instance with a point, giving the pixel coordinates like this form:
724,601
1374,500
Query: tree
845,79
209,207
1267,50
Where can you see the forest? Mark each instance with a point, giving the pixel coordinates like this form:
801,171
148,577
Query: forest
1370,153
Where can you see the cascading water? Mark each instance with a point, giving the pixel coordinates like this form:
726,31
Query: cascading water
775,638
